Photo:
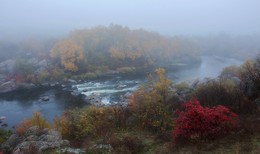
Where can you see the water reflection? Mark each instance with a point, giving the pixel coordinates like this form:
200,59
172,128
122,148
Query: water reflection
19,105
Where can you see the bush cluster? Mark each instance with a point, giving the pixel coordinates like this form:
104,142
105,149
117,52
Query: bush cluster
221,92
35,120
203,123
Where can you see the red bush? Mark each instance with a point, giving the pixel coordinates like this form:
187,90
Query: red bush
200,123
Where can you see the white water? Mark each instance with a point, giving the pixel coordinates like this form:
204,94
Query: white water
18,107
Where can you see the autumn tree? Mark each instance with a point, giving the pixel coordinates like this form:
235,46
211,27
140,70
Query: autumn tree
150,103
69,54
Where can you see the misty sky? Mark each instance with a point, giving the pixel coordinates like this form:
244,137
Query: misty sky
19,18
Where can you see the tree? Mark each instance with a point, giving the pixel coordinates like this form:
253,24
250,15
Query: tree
69,53
150,103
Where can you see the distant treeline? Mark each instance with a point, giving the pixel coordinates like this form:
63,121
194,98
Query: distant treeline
90,52
117,47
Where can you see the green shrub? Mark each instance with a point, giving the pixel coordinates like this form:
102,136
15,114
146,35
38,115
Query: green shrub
4,134
221,92
230,71
127,144
89,121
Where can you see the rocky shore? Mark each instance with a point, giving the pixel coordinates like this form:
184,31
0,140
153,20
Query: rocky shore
36,140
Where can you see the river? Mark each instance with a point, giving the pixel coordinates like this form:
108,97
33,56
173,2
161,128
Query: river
17,106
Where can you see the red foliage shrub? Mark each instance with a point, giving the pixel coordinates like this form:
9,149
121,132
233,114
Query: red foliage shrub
201,123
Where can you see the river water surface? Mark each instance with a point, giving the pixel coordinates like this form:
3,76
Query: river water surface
17,106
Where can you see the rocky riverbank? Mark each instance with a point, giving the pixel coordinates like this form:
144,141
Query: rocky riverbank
36,140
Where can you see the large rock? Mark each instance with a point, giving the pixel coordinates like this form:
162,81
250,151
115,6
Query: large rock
45,98
12,141
72,81
35,140
7,86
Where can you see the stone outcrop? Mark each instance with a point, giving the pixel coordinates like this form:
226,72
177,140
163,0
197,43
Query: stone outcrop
34,140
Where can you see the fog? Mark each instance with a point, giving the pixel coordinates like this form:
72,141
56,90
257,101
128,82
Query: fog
48,18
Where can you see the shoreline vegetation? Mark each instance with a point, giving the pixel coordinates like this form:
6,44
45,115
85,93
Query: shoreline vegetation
91,54
220,115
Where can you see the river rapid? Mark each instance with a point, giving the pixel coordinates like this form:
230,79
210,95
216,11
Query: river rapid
17,106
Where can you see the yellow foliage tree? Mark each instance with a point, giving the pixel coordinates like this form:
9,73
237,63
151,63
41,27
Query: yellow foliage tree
69,54
150,103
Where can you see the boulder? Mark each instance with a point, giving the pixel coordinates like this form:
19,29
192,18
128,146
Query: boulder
72,81
75,93
35,130
7,86
63,85
2,118
45,98
71,151
35,140
9,145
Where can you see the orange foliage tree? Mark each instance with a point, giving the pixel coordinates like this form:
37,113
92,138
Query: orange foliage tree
69,53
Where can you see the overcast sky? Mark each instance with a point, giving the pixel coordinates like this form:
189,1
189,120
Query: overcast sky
19,18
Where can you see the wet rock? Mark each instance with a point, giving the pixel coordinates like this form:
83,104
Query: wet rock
2,118
71,151
45,84
75,93
45,98
72,81
106,147
4,125
52,84
27,85
7,86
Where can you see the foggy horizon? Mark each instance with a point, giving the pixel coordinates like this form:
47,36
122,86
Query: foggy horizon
44,19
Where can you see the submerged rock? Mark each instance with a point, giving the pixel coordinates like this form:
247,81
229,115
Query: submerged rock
2,118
